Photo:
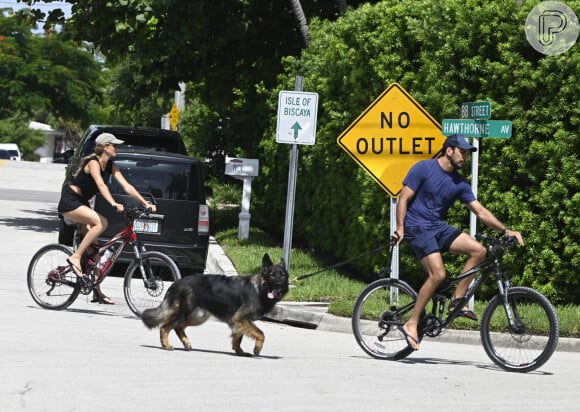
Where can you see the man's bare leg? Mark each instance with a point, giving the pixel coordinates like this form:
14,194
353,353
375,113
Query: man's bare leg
435,269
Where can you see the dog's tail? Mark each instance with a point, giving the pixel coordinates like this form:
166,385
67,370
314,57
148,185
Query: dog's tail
154,316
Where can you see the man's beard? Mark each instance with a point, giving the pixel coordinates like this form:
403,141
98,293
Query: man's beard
454,164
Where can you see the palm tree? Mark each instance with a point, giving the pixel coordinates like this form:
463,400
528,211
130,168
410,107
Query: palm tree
301,18
302,23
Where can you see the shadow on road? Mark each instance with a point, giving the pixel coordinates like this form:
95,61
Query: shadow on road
488,366
46,222
434,361
214,352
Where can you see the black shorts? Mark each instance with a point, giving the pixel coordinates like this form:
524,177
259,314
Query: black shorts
69,200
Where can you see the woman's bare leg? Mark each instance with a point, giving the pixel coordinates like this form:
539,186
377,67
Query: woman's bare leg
96,224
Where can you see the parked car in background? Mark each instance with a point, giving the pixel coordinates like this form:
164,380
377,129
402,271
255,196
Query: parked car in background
13,151
4,154
134,137
174,180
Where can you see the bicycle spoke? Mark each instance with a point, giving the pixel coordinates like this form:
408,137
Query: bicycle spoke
380,309
146,283
51,281
529,339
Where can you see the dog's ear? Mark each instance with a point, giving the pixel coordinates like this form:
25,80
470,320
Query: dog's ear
266,261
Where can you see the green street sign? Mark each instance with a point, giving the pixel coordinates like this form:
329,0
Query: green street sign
477,128
476,110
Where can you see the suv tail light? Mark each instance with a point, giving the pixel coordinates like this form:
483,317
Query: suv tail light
203,220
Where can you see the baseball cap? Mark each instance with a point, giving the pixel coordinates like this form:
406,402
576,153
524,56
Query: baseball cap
108,138
459,140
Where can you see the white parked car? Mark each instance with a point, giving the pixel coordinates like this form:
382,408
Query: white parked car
12,149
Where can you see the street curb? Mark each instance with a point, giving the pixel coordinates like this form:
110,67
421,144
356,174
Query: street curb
217,261
313,315
331,323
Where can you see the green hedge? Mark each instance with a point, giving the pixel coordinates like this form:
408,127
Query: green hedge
443,53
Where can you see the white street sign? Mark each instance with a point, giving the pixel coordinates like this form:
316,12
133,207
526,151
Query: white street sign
296,117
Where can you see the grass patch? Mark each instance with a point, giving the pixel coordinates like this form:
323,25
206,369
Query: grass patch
331,286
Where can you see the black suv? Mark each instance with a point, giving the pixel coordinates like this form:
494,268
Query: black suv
134,137
149,162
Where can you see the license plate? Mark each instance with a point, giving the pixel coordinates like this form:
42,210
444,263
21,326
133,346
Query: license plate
146,226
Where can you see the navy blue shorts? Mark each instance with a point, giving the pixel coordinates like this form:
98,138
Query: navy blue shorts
431,240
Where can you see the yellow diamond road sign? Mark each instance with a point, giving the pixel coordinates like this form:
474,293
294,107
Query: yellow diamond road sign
390,136
174,116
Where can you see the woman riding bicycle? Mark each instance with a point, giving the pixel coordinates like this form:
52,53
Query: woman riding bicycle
89,179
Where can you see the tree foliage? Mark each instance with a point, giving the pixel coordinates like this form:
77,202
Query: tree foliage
42,77
45,73
443,53
14,129
226,50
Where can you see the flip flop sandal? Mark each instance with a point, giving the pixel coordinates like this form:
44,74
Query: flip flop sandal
77,270
466,313
407,337
101,299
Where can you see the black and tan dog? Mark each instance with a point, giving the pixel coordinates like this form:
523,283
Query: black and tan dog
235,300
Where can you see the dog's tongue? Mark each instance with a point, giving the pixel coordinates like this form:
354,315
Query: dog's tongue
271,295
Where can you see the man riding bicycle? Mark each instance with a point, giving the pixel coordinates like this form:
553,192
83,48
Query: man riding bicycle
429,190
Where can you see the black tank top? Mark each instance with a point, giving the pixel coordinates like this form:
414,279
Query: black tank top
85,181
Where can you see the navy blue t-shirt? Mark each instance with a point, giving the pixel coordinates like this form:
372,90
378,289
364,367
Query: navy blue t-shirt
435,191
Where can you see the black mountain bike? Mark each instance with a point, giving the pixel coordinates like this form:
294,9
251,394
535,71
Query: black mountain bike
519,327
54,285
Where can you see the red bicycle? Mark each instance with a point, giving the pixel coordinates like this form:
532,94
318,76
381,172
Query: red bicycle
53,284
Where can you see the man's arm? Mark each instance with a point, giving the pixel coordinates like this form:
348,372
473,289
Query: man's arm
402,205
491,221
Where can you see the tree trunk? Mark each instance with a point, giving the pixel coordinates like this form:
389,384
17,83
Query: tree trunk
301,18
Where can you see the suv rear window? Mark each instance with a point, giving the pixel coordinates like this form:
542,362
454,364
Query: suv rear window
163,178
131,141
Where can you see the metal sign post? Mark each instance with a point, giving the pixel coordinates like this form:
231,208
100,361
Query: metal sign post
475,123
297,112
290,198
395,260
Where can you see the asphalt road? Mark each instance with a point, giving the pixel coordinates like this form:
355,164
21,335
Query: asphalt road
101,358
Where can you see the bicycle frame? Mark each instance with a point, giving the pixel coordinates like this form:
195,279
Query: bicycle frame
490,266
125,237
519,327
486,268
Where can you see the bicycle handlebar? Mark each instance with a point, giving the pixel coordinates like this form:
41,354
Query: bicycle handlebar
505,241
132,213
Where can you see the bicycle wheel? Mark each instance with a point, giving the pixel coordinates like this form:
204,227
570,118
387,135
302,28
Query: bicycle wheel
382,306
145,286
51,282
531,341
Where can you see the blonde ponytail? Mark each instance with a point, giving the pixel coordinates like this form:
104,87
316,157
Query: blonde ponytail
98,151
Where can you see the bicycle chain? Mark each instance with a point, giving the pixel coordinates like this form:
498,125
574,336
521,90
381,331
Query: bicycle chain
432,326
